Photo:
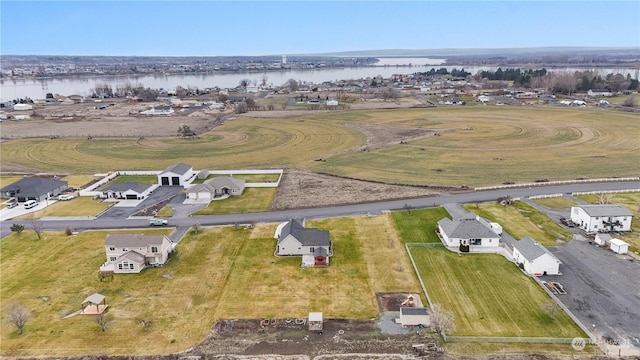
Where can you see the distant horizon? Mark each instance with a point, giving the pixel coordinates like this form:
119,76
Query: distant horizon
269,28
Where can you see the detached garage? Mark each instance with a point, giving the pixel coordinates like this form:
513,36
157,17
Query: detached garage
534,258
176,175
414,316
618,246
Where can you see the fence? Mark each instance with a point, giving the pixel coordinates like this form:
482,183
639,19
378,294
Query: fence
558,182
545,196
605,192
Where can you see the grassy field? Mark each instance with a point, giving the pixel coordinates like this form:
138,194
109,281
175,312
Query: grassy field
249,178
418,226
207,280
489,295
251,200
632,202
559,202
80,206
520,220
479,146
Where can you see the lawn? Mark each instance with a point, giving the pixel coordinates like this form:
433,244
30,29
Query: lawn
143,179
248,178
521,219
79,206
251,200
207,280
418,226
480,145
559,202
489,296
632,202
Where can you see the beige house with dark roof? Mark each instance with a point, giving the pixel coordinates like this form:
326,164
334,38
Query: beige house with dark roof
313,245
218,187
131,253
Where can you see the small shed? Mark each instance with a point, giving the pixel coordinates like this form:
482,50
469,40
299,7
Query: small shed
602,239
618,246
315,321
414,316
94,304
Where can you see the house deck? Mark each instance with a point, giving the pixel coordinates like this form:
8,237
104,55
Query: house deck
93,309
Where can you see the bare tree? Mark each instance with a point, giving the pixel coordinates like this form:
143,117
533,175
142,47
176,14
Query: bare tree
102,321
146,323
550,307
604,198
408,208
196,227
242,107
293,85
389,93
18,316
630,101
68,230
263,80
36,225
185,131
441,320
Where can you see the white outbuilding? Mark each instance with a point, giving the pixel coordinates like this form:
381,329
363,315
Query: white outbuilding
414,316
22,107
618,246
602,218
534,258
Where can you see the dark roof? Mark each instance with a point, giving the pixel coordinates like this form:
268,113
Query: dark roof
530,249
466,229
34,186
133,240
179,168
414,311
606,210
128,185
307,237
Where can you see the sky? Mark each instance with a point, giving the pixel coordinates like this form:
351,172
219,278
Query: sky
236,28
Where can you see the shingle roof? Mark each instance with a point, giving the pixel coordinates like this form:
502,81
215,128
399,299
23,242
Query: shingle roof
414,311
33,186
131,256
530,249
307,237
226,181
466,229
179,168
133,240
606,210
128,185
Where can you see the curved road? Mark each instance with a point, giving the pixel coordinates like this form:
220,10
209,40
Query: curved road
332,211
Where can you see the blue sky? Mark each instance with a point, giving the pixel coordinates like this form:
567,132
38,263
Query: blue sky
220,28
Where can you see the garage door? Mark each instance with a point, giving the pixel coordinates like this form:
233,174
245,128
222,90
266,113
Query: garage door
175,180
164,180
132,197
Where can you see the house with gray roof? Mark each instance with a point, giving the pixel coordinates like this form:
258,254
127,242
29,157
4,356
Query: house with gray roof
467,234
179,174
602,218
414,316
534,258
33,188
218,187
131,253
128,190
313,245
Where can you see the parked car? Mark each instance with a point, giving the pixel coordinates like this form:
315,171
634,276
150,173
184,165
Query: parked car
11,205
65,197
158,222
29,204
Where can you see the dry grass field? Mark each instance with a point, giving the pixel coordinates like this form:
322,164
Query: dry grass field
474,146
489,295
206,281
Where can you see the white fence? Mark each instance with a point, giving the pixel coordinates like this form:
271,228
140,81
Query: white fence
545,196
278,172
559,182
605,192
90,190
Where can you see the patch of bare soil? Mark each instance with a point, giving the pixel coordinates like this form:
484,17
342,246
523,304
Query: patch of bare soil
300,188
379,136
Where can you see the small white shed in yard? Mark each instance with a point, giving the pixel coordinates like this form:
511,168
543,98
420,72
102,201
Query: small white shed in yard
315,321
618,246
602,239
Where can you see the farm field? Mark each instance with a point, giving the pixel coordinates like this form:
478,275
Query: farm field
205,281
489,295
474,146
521,219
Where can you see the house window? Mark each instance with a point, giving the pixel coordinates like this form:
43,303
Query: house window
112,258
312,249
154,249
119,266
112,249
131,266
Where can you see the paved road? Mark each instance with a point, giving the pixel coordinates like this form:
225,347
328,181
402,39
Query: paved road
330,212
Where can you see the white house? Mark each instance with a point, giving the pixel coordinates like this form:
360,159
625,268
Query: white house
618,246
599,92
129,190
22,107
313,245
176,175
467,233
534,258
131,253
414,316
218,187
602,218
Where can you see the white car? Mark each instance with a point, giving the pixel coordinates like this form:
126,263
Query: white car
65,197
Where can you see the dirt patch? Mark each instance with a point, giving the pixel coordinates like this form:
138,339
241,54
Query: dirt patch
301,188
393,301
379,136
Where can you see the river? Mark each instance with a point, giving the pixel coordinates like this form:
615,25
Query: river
83,85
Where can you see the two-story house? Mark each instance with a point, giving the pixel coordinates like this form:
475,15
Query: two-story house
131,253
602,218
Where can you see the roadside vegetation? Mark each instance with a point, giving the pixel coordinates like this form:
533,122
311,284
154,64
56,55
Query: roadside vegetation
560,202
520,219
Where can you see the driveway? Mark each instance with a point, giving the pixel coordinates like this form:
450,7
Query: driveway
160,194
603,290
